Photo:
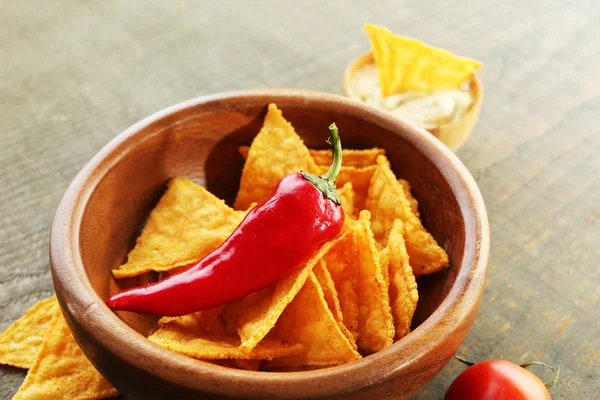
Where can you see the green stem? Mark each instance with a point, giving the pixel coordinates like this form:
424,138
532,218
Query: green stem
326,183
336,148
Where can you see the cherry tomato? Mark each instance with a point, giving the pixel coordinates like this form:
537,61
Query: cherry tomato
497,380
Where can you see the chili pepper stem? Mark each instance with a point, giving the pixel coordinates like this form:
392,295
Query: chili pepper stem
326,183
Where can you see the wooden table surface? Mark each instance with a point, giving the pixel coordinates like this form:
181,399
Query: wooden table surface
74,74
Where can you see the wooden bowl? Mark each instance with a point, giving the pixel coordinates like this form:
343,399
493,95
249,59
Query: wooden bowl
454,133
101,214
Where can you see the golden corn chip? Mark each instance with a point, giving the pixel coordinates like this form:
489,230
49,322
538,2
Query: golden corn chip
414,204
409,65
276,151
360,179
185,335
202,320
353,263
387,201
350,157
375,322
61,370
331,297
308,320
243,213
255,315
188,223
346,194
384,260
403,286
20,343
341,262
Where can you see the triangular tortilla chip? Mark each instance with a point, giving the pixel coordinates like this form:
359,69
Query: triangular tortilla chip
275,152
353,262
331,297
202,320
342,263
187,223
387,201
308,320
360,179
186,335
375,322
61,370
20,343
414,204
409,65
255,315
324,158
346,194
403,286
350,157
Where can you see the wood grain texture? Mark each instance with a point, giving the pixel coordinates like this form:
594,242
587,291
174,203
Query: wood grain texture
74,74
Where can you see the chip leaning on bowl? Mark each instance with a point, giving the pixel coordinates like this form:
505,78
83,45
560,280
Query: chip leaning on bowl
426,85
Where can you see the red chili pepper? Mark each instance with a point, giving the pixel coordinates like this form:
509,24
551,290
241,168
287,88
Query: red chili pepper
275,239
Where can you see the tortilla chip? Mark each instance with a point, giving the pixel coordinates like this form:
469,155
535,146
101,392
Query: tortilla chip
308,320
20,343
188,223
346,194
243,213
350,157
360,179
203,320
186,335
384,260
255,315
342,263
375,322
387,201
409,65
61,370
276,151
414,204
353,262
331,297
403,286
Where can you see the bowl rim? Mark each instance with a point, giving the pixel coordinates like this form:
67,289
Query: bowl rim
92,315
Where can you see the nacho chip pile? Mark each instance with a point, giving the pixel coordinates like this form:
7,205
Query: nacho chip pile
356,296
41,342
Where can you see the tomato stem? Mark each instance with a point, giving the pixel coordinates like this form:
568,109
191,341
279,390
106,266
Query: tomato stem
462,360
555,370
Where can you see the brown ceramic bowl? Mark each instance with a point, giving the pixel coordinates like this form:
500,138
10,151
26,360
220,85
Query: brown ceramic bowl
102,211
454,133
